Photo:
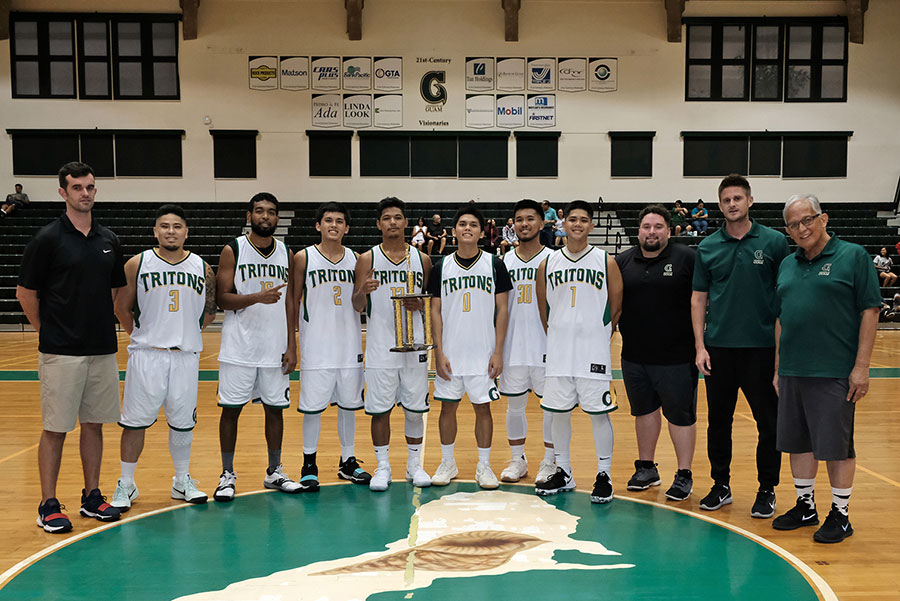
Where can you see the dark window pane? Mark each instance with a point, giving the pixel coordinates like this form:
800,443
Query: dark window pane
130,79
97,151
631,157
815,157
129,39
25,35
60,35
537,156
433,156
329,156
96,79
27,78
383,156
715,156
833,43
95,42
765,83
699,85
165,79
148,155
164,39
62,78
733,38
44,153
832,81
765,155
483,156
733,81
800,46
700,44
799,81
234,156
767,42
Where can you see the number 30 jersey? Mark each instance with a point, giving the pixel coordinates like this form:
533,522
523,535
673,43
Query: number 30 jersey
256,336
526,341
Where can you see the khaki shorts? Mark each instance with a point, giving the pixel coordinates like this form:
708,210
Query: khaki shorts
75,388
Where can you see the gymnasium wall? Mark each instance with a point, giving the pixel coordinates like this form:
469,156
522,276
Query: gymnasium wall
650,96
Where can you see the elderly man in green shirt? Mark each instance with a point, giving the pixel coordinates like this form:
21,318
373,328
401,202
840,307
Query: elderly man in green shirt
829,299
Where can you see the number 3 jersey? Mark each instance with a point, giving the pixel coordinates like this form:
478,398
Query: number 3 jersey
169,303
330,328
256,336
526,341
579,317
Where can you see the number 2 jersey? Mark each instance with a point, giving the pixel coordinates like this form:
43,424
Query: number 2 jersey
526,341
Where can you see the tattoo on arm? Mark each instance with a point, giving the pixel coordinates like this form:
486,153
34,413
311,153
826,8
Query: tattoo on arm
210,308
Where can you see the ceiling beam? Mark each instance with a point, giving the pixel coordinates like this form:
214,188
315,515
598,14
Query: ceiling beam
4,19
511,18
189,15
674,10
856,12
354,18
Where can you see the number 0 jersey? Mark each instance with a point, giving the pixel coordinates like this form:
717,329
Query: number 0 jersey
579,319
169,303
330,328
256,336
526,341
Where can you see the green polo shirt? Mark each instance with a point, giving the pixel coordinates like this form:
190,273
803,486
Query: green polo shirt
821,302
739,276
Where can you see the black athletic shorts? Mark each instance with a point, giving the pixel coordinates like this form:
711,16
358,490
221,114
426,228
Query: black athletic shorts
672,387
814,416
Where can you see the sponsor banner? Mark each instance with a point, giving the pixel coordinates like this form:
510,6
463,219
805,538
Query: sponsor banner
263,71
479,74
432,112
388,73
510,74
571,75
541,110
294,72
510,110
326,73
357,73
388,110
541,74
357,110
326,110
603,74
479,110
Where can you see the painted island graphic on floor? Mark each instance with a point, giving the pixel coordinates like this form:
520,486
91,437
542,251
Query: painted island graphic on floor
457,536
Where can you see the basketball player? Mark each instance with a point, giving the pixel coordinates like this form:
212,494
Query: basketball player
258,349
526,342
331,357
393,378
170,296
469,289
579,292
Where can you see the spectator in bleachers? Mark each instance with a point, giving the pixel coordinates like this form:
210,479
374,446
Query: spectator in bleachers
491,240
883,265
418,234
509,237
700,217
14,202
680,216
894,313
549,223
435,232
559,233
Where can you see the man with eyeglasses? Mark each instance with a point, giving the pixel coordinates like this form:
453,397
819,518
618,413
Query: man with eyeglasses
733,310
829,301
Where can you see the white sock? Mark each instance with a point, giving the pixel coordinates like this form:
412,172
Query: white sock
806,491
346,427
562,436
547,428
841,498
603,441
381,454
484,455
516,422
447,451
517,450
414,456
128,472
180,449
312,425
549,456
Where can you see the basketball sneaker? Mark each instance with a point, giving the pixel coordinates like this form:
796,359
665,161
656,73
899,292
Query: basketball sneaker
185,489
381,479
719,496
764,506
124,495
485,477
645,476
309,478
603,490
546,469
835,529
225,489
797,516
516,470
416,474
51,518
278,481
446,472
350,470
682,486
559,481
94,505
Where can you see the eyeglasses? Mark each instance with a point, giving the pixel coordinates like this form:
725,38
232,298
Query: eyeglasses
806,222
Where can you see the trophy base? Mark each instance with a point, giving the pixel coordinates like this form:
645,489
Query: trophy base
412,348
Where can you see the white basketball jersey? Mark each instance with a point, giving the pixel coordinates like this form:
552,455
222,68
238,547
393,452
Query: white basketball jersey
467,314
526,342
380,330
330,328
168,308
579,322
256,336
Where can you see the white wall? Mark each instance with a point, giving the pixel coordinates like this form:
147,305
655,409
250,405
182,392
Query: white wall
650,96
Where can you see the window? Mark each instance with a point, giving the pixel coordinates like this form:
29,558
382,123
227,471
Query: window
234,153
42,153
384,154
812,156
329,153
718,62
93,59
42,53
433,155
484,155
631,153
537,154
148,154
816,63
145,59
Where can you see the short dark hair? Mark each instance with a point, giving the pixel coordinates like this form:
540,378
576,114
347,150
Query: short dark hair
655,209
76,169
677,202
580,204
469,209
734,180
18,186
260,197
391,202
526,204
332,207
170,209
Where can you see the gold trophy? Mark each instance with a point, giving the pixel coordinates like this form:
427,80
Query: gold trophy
404,318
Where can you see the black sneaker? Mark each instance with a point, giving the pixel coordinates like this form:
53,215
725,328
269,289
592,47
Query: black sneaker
682,487
764,505
645,476
51,518
350,470
796,517
309,477
719,495
835,529
94,505
603,491
558,482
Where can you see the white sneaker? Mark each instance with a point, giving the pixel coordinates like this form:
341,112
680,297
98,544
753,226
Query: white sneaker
124,495
381,479
516,470
278,481
485,477
416,474
225,489
547,469
446,472
186,490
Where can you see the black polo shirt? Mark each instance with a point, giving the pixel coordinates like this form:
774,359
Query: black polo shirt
73,275
435,229
656,306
